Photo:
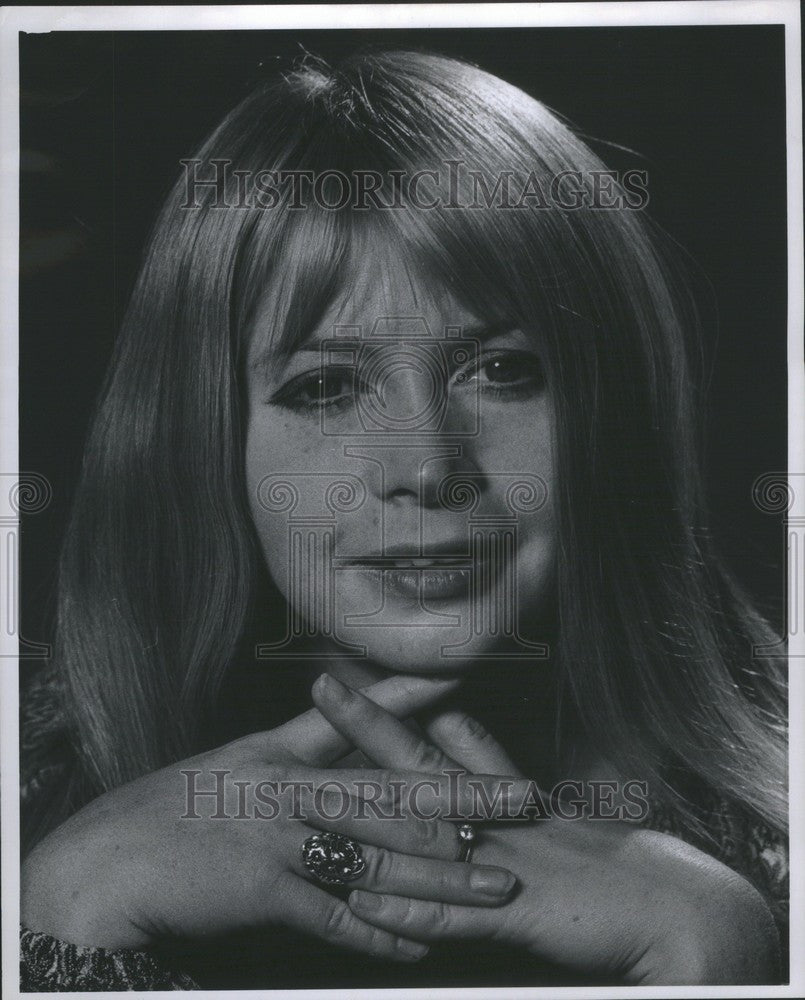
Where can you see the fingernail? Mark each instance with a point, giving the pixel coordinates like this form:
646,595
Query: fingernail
367,901
331,687
412,949
492,881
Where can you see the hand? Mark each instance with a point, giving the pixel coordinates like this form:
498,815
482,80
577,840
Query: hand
604,898
128,869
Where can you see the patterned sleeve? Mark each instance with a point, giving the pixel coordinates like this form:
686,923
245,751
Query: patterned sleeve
48,965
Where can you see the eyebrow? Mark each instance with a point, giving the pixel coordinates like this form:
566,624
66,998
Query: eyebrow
482,332
313,345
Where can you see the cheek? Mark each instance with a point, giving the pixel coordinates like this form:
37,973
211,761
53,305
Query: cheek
289,465
263,454
519,434
275,446
518,441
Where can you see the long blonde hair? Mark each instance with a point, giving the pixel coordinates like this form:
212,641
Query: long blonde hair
655,638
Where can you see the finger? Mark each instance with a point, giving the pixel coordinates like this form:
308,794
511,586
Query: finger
311,739
382,737
453,796
467,742
421,920
313,911
373,816
426,878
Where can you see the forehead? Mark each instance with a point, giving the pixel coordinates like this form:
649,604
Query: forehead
382,292
379,281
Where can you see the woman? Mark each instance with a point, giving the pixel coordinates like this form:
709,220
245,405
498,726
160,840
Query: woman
401,400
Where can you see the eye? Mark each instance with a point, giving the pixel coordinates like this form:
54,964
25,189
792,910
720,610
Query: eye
326,386
504,372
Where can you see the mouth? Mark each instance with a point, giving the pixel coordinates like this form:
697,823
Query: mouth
418,578
412,562
422,583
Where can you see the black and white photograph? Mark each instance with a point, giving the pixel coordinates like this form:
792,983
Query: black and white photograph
403,499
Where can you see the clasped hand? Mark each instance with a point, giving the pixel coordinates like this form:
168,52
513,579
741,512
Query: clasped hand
608,899
603,898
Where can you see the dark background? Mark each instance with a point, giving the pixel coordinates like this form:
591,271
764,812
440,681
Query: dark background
105,118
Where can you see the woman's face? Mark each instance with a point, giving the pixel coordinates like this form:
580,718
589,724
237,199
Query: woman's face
400,477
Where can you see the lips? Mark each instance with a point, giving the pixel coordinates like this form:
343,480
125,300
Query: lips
413,562
433,572
452,552
430,584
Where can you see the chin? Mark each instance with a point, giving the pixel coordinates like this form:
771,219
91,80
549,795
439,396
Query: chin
432,625
426,622
418,647
413,649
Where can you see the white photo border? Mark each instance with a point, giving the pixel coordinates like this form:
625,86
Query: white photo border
14,20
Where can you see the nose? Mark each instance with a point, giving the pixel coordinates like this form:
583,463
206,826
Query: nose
408,389
417,472
424,441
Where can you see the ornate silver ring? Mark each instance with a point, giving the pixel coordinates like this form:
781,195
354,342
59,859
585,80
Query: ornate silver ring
332,858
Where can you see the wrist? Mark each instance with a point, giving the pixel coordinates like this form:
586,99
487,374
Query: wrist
66,895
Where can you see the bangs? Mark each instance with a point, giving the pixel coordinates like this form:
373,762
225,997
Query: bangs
291,269
296,268
538,265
